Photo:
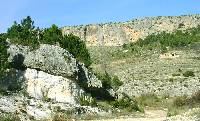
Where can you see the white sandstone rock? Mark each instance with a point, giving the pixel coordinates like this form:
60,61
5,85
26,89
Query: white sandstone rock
41,85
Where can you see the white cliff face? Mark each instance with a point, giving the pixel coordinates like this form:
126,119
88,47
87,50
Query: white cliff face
41,85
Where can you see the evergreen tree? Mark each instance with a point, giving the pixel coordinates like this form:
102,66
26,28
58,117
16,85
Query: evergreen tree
51,35
77,48
24,33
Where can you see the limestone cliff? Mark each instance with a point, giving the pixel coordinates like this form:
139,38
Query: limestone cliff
116,34
53,60
44,82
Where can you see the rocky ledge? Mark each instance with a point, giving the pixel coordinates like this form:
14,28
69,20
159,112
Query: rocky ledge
46,81
43,95
53,60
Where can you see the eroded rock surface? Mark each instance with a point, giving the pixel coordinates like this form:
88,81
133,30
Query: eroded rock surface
116,34
49,80
43,95
53,60
41,85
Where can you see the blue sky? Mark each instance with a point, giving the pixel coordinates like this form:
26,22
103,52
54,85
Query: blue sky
75,12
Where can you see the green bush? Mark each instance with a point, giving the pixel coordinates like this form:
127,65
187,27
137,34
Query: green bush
109,81
87,101
115,83
151,100
180,101
52,35
106,80
5,69
4,64
77,48
183,103
73,44
184,100
126,104
188,74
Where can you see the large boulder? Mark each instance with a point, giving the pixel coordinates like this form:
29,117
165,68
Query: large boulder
42,95
48,58
53,60
44,86
50,81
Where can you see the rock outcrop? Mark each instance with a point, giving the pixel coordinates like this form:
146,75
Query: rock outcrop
43,86
53,60
44,82
28,109
116,34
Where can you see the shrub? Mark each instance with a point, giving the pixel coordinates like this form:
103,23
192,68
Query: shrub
106,80
109,81
172,111
51,35
87,101
183,100
6,84
126,104
115,83
4,64
77,48
194,99
182,103
188,74
177,106
149,100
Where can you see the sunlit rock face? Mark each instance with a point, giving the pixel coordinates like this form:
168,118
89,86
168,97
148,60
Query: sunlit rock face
41,95
41,85
116,34
53,60
49,58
